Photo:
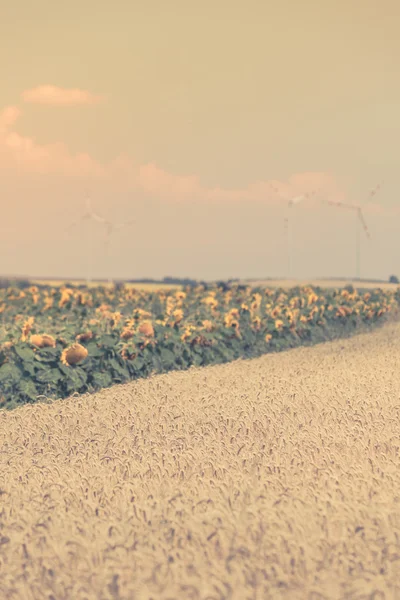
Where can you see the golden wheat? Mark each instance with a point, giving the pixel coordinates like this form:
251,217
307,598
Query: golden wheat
277,477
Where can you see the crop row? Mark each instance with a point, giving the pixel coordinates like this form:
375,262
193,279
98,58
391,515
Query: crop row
57,341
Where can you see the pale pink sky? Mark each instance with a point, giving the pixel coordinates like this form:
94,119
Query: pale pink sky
201,123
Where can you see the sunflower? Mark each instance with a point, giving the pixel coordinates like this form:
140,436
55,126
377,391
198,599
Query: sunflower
146,328
6,345
344,311
228,297
256,321
256,301
48,302
84,337
169,305
312,298
210,301
26,328
126,355
73,355
43,341
127,333
208,325
142,313
188,332
115,319
66,294
178,314
231,322
104,308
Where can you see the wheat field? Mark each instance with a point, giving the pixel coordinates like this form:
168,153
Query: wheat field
277,477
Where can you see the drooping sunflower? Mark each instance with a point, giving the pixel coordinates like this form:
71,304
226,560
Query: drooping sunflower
84,337
73,355
43,341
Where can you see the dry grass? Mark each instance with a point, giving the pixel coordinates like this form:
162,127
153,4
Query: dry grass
323,283
277,478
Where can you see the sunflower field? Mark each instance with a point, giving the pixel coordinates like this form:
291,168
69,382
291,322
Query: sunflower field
61,340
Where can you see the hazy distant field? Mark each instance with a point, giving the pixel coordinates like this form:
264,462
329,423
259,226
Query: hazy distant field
277,477
283,283
323,283
139,286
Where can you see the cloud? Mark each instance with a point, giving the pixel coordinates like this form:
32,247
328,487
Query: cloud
157,181
57,96
25,155
8,116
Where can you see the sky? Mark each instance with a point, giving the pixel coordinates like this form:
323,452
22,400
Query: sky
200,121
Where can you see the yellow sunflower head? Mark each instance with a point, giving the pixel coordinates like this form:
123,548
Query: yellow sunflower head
146,328
26,328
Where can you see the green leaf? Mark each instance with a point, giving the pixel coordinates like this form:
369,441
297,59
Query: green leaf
119,369
64,369
28,388
93,350
75,379
24,352
49,376
137,363
108,341
197,359
115,364
29,368
47,355
10,374
167,357
102,380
